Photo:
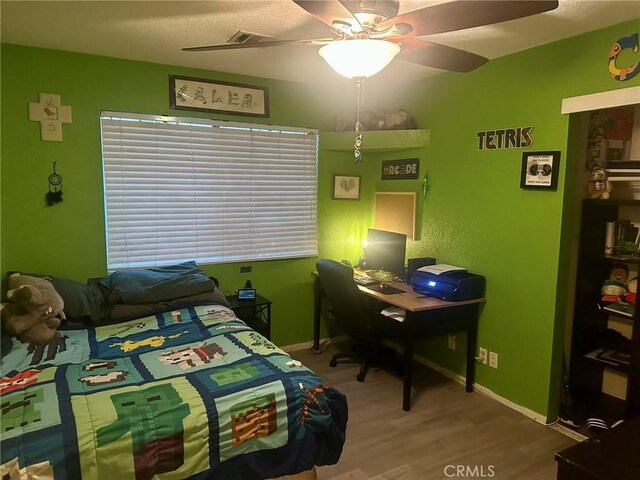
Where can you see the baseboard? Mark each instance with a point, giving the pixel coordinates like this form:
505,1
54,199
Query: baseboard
487,392
568,432
305,345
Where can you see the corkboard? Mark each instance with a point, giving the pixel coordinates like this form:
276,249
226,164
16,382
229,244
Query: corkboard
396,212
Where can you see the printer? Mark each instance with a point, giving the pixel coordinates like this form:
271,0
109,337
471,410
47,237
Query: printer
448,283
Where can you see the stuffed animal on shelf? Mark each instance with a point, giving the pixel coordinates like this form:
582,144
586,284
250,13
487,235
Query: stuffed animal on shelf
632,287
599,184
619,272
615,287
34,310
613,291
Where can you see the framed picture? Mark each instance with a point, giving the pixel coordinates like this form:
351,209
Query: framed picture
203,95
406,168
540,170
346,187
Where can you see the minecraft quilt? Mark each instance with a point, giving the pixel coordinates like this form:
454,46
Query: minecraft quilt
192,393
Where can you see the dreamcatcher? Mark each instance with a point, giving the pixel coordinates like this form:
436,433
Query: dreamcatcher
54,195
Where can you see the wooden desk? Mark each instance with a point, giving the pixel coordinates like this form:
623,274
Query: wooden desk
425,317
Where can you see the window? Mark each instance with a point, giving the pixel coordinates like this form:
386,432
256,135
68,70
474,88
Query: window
179,188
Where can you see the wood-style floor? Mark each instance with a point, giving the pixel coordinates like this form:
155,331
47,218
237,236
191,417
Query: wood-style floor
447,432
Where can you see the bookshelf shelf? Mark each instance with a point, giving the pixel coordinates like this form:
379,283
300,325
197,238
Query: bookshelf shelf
620,309
634,259
610,364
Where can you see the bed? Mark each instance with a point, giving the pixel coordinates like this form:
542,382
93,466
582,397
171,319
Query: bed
189,392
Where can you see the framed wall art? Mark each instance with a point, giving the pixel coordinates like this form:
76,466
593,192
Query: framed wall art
540,170
406,168
346,187
205,95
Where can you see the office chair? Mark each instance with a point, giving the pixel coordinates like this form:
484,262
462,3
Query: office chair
353,310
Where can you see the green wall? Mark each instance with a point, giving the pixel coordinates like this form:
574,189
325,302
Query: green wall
474,215
69,239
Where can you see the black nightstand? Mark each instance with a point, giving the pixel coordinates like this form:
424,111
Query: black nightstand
256,313
612,455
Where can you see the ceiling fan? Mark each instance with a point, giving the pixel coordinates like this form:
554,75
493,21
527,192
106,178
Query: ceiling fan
368,34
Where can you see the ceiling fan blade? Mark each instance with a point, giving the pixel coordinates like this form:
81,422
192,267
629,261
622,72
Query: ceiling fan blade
327,10
271,43
439,56
458,15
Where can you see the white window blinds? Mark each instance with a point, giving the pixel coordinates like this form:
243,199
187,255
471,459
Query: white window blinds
179,189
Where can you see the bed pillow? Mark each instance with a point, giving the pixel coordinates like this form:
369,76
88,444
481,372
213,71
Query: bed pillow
121,312
161,284
82,303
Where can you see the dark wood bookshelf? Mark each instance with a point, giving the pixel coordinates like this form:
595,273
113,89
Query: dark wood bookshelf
591,319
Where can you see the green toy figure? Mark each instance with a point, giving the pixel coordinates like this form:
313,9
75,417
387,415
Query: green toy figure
615,287
148,413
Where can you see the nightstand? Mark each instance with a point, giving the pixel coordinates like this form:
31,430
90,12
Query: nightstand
256,313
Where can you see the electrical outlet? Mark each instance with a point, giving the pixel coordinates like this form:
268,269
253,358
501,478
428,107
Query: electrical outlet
246,269
452,342
493,359
482,355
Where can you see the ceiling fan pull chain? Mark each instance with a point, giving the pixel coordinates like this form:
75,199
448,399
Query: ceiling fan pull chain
357,144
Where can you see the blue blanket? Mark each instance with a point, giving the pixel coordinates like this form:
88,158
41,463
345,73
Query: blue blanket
191,393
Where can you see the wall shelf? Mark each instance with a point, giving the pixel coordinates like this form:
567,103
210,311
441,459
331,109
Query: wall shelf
375,140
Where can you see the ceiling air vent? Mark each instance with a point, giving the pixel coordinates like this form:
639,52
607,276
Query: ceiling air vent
246,37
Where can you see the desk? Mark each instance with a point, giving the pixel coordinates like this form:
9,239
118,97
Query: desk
425,317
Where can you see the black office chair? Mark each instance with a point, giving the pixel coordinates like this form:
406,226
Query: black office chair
353,310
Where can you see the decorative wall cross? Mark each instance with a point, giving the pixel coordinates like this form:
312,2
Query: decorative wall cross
51,116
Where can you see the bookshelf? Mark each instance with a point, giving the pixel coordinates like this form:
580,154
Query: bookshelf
606,384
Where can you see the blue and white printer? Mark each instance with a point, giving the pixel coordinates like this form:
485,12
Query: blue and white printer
448,283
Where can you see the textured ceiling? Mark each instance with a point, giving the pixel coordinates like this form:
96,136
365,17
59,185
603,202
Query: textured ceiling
156,31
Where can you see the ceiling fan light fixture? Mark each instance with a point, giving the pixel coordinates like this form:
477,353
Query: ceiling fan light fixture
359,57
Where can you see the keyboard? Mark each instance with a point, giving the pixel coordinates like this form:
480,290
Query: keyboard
364,280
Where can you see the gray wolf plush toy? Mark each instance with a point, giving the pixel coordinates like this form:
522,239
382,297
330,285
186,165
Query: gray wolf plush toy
34,310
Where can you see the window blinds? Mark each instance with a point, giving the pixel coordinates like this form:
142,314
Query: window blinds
179,189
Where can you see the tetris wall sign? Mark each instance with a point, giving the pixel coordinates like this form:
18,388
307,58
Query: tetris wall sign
519,137
404,169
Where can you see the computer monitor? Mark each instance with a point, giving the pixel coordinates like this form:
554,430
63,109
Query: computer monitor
385,251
